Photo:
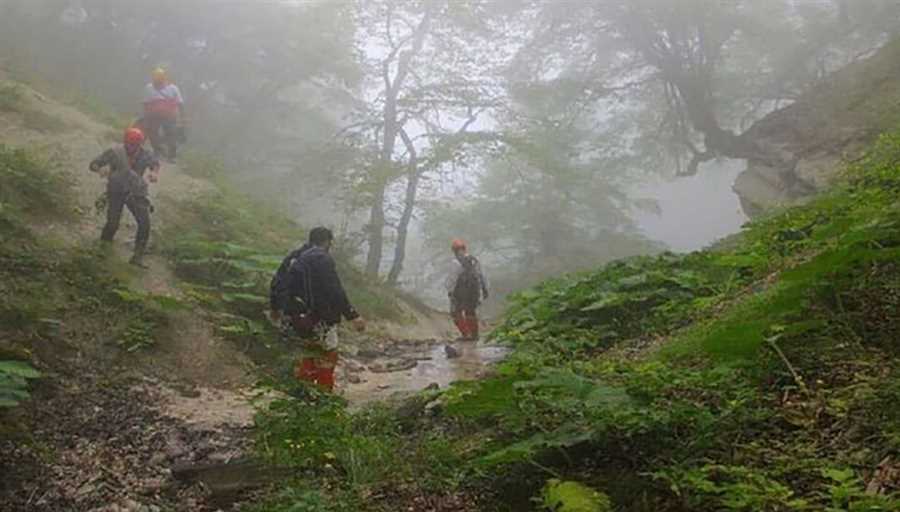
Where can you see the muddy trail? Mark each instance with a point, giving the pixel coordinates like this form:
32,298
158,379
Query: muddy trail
172,428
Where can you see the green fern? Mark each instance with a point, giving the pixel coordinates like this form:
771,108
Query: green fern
14,377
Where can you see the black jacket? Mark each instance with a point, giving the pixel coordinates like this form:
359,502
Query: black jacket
126,174
312,277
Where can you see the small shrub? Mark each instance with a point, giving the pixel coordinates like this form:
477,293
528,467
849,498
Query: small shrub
11,97
41,121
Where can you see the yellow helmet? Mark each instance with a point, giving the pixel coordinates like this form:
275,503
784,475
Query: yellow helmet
158,75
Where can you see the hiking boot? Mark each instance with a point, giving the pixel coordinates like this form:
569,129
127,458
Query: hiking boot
138,261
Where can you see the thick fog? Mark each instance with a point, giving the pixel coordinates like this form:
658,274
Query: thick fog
552,135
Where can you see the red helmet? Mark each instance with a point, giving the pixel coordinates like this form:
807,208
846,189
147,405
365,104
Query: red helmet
134,136
458,245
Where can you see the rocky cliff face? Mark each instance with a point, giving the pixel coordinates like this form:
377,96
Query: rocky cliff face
811,139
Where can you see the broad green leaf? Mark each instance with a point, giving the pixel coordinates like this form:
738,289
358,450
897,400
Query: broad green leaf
20,369
568,496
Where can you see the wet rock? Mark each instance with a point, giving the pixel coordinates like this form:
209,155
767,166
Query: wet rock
394,366
352,366
451,351
368,354
226,482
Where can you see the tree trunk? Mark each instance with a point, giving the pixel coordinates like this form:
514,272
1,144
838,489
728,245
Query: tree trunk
409,204
376,215
376,232
391,129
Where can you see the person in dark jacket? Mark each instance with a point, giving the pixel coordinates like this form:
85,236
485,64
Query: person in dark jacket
128,170
466,288
311,297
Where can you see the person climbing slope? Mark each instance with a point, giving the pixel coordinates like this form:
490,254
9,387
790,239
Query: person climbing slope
466,287
307,294
163,105
129,169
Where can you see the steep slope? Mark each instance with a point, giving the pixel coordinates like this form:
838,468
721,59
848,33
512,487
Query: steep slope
144,371
758,376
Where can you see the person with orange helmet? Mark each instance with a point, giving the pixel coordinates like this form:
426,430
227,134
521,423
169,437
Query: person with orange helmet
128,169
466,288
163,104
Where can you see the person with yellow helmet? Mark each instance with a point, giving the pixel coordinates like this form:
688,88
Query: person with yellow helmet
163,105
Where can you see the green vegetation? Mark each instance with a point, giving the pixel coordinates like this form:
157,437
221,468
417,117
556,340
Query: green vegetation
13,98
573,497
14,377
757,376
225,247
31,189
49,291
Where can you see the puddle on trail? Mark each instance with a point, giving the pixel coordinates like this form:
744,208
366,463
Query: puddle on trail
432,366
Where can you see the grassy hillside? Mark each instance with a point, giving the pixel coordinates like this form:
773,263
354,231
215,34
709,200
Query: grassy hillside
62,293
759,375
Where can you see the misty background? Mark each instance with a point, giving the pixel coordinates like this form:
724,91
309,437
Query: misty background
553,135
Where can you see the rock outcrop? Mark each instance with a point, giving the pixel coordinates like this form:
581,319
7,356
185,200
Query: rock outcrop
811,139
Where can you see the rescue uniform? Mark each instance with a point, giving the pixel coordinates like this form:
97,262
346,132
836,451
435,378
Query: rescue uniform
126,188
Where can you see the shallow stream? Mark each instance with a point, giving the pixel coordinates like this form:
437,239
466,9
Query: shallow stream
365,380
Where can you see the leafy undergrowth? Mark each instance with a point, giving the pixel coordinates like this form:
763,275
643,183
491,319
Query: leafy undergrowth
14,98
758,376
225,247
49,293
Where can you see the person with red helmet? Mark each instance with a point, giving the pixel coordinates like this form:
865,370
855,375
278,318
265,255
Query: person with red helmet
466,287
128,169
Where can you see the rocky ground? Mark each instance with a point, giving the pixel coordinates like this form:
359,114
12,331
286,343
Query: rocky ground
104,445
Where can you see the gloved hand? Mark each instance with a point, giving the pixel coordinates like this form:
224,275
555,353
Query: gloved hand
275,316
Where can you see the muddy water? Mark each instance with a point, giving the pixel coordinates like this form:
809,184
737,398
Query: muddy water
432,366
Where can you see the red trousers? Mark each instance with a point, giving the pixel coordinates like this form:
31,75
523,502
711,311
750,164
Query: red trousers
317,369
466,321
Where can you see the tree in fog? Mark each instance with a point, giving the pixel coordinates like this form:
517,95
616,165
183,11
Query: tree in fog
701,69
433,76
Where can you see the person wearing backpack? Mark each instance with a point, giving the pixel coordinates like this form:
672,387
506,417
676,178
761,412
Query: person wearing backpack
307,295
466,287
128,169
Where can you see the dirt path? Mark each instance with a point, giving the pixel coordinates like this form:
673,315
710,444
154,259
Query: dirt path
118,431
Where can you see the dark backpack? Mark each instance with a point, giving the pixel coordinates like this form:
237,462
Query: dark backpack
279,287
468,285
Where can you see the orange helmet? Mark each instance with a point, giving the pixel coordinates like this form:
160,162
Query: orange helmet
458,245
134,136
